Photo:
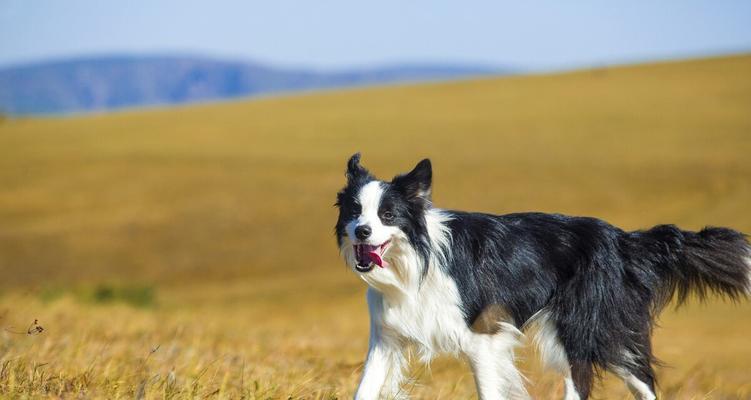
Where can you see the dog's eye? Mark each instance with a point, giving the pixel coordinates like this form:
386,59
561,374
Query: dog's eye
356,209
388,215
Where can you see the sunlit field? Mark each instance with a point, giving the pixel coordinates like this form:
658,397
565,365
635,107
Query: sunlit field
189,252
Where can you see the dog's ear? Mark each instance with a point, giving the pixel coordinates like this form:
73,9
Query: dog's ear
416,185
354,170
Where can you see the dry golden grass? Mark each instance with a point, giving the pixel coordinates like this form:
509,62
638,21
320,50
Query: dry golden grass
226,210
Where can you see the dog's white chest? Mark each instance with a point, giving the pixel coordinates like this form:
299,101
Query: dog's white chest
432,321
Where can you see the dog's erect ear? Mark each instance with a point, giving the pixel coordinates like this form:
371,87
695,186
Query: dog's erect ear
354,170
416,184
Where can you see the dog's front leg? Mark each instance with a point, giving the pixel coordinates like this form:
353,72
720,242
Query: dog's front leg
383,373
384,368
492,362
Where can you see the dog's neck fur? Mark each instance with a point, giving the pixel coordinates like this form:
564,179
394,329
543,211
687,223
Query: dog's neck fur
421,305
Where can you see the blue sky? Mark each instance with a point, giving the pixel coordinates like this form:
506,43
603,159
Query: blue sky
542,35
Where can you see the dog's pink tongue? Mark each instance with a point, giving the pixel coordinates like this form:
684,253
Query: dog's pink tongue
373,254
375,258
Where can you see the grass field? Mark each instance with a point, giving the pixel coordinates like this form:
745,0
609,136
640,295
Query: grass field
189,252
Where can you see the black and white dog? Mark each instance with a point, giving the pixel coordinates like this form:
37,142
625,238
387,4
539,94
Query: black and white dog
469,283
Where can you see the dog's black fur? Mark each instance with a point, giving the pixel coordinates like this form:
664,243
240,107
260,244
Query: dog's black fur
602,286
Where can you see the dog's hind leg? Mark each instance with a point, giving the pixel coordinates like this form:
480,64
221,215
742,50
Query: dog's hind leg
634,366
641,389
637,373
582,376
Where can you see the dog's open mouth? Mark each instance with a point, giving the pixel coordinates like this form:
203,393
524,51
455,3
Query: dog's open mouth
368,256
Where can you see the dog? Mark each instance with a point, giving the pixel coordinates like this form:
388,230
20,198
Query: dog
468,284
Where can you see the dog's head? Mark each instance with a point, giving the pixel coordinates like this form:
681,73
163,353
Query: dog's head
378,219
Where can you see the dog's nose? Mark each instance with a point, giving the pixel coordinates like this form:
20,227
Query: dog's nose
362,232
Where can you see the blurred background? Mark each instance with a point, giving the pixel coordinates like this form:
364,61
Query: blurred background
168,172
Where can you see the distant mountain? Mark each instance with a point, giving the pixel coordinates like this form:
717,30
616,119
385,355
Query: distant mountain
104,83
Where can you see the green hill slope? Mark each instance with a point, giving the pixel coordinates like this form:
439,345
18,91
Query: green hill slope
246,188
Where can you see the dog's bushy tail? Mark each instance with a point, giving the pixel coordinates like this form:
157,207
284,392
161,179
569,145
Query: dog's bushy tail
711,261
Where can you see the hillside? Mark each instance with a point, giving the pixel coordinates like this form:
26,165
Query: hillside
236,188
225,211
113,82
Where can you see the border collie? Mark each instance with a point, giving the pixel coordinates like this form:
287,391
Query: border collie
468,284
